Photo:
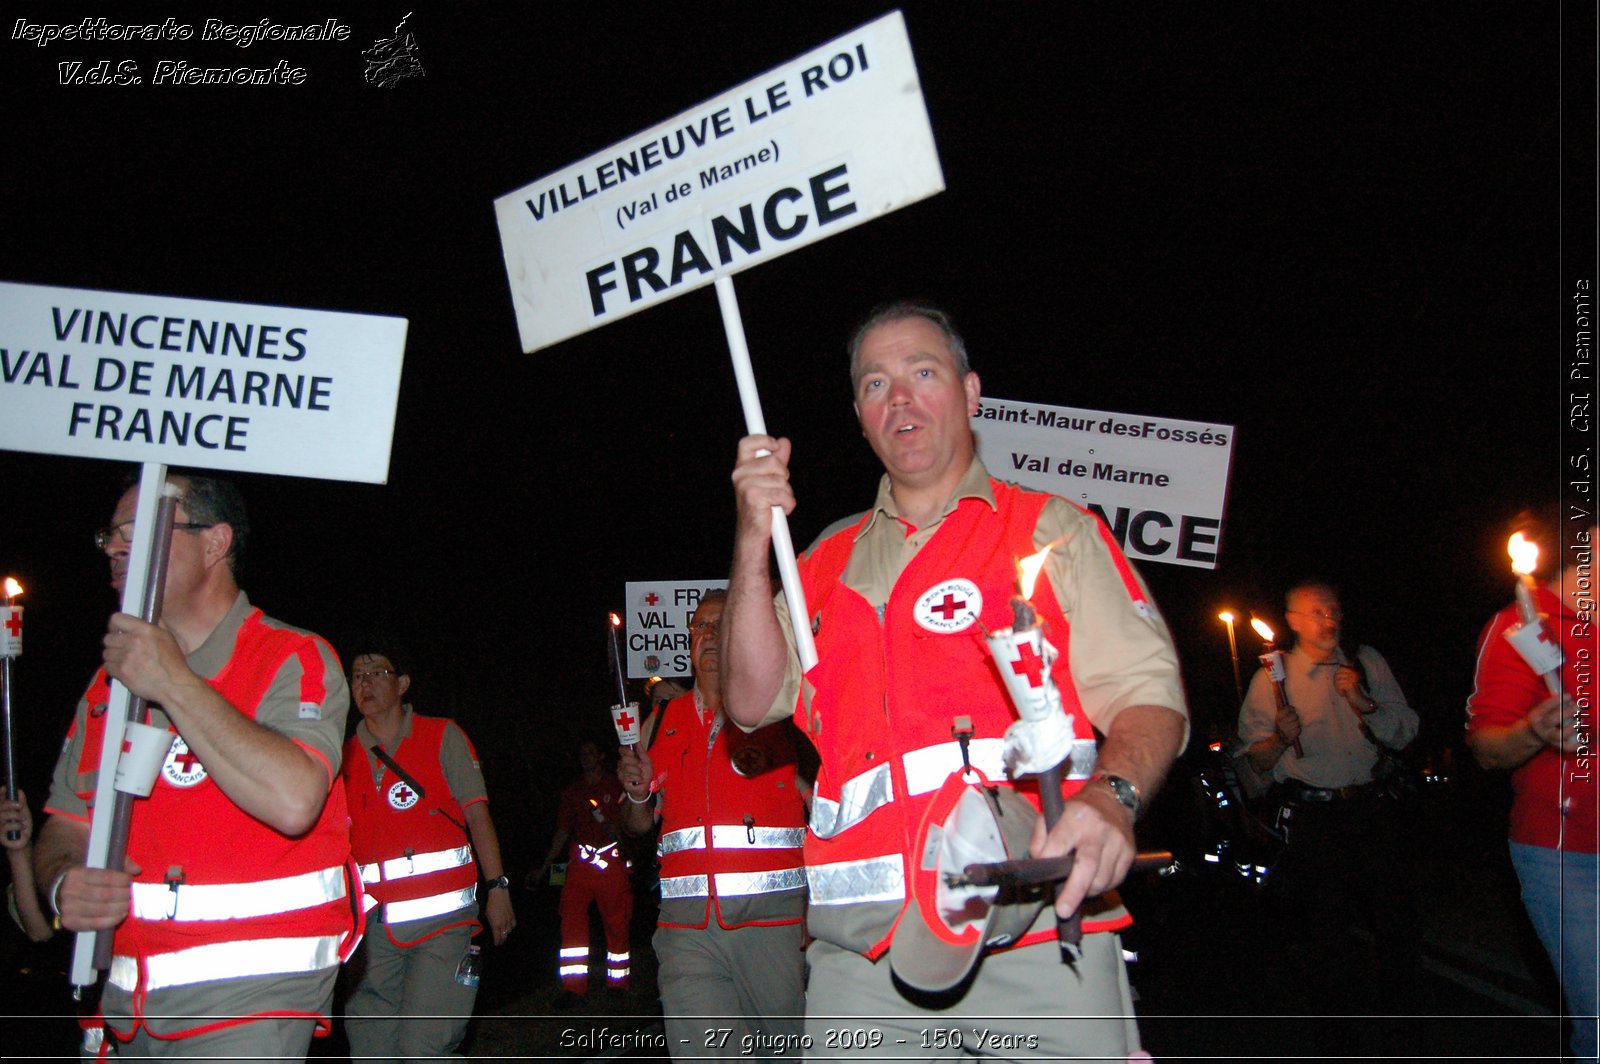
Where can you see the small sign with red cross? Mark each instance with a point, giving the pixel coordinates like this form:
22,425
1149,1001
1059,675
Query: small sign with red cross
10,631
626,718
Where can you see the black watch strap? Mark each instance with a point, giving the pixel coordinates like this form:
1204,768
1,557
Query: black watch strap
499,883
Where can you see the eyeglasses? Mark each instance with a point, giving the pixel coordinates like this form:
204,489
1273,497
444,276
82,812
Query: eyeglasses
123,530
708,627
371,677
1334,615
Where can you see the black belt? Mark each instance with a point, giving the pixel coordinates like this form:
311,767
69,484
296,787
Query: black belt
1301,792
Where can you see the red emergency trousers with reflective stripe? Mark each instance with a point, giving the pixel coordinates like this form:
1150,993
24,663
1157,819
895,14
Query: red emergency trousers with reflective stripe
197,835
883,690
747,814
380,832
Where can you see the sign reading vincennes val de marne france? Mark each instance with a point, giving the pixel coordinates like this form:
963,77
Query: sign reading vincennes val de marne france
191,382
816,146
658,625
1161,485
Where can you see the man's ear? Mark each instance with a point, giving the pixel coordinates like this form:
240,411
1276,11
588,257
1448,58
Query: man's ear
219,541
404,683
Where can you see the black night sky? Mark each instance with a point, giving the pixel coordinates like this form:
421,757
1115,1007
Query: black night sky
1340,228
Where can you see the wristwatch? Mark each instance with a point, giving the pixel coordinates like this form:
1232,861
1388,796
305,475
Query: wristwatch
500,882
1122,791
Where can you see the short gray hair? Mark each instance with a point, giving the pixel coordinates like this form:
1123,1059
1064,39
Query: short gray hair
900,310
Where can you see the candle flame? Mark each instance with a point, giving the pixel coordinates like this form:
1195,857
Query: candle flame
1261,628
616,622
594,803
13,589
1028,570
1524,554
1226,617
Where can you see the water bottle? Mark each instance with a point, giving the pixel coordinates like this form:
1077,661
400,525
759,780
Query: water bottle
471,966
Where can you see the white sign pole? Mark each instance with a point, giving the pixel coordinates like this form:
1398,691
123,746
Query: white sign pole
756,424
152,482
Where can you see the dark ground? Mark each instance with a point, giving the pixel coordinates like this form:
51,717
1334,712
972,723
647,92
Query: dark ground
1205,985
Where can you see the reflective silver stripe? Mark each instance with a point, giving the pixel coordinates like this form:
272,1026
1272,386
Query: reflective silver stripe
735,884
237,901
683,887
1082,760
400,912
929,767
858,797
418,864
737,837
848,882
228,960
683,839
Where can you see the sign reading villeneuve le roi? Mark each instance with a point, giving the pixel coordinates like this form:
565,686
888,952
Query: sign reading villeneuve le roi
819,145
191,382
658,625
1161,485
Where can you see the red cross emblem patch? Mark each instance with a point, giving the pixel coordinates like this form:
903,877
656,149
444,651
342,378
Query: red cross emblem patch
949,606
402,795
182,768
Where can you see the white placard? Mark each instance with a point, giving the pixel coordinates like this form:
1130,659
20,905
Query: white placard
816,146
657,625
191,382
1160,484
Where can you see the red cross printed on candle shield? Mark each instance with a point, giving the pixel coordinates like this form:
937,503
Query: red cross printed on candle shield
1030,664
624,721
14,623
949,606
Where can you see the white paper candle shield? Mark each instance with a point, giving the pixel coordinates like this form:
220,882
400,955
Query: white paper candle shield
143,750
1272,661
626,719
1043,738
10,631
1533,642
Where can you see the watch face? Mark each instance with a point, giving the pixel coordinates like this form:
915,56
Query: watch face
1122,790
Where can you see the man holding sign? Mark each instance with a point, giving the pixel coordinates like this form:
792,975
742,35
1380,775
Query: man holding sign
899,602
237,903
732,889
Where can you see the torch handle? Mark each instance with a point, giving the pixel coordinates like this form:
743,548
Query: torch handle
12,835
1069,929
138,708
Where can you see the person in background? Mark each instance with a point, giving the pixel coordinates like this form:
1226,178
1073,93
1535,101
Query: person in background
22,898
1546,742
419,809
1344,857
732,821
587,829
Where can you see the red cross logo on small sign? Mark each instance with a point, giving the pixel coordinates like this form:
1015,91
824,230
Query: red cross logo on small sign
1029,663
651,599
